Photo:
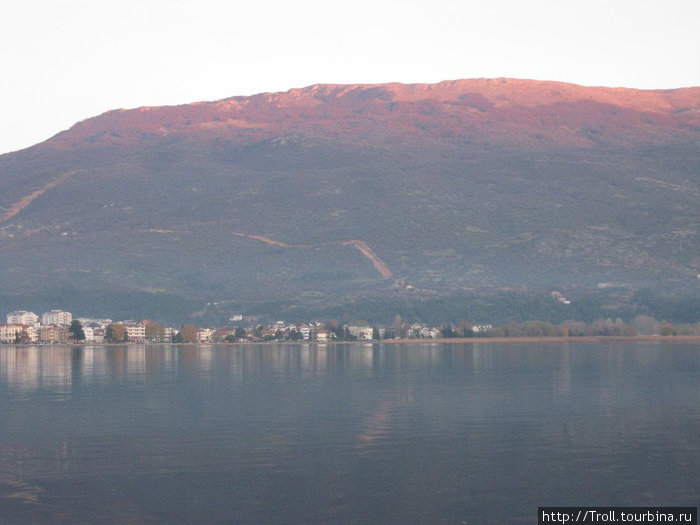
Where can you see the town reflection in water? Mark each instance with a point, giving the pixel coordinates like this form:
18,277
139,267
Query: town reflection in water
58,368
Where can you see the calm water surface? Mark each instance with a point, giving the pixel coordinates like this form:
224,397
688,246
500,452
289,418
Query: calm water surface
367,434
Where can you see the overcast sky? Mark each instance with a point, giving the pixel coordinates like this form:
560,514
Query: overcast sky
62,61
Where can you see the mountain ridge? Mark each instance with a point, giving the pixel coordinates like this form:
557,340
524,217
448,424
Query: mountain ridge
263,115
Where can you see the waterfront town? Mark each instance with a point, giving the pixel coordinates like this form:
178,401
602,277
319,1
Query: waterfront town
59,327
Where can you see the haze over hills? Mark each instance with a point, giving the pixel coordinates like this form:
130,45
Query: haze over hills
334,194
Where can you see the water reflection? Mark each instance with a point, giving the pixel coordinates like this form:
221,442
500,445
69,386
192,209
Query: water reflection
344,433
59,368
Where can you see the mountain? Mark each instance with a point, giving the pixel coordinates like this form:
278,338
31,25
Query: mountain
337,194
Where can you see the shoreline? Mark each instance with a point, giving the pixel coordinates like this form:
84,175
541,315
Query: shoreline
554,339
456,340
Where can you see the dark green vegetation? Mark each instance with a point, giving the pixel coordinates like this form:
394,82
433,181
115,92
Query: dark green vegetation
76,331
490,307
160,227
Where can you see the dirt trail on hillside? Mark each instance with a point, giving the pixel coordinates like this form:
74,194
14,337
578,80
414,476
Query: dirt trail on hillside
360,245
21,204
365,250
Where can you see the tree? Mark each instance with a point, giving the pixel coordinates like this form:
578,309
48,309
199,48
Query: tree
398,326
667,328
76,331
188,333
238,335
465,329
21,337
646,325
154,331
448,332
116,333
337,329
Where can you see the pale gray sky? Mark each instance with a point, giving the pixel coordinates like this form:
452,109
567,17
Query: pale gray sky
66,60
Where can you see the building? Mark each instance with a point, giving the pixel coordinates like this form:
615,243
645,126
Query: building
53,334
305,331
168,334
56,318
98,335
17,333
89,333
22,317
204,335
135,331
32,333
429,333
558,297
361,332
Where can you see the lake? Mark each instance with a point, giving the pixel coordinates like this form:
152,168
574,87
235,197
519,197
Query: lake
342,434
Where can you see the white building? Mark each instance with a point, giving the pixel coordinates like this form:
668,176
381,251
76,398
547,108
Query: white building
362,332
168,334
204,335
89,334
56,318
98,335
429,333
15,332
22,317
305,331
558,297
135,332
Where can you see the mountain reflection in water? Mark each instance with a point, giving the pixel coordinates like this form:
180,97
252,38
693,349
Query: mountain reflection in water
482,433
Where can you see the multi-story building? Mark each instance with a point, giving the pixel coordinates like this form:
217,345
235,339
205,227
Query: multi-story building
305,331
53,334
98,335
168,334
362,332
204,335
56,318
22,317
17,333
135,331
32,333
89,333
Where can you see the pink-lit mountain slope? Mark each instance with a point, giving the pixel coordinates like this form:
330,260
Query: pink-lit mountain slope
504,111
334,194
